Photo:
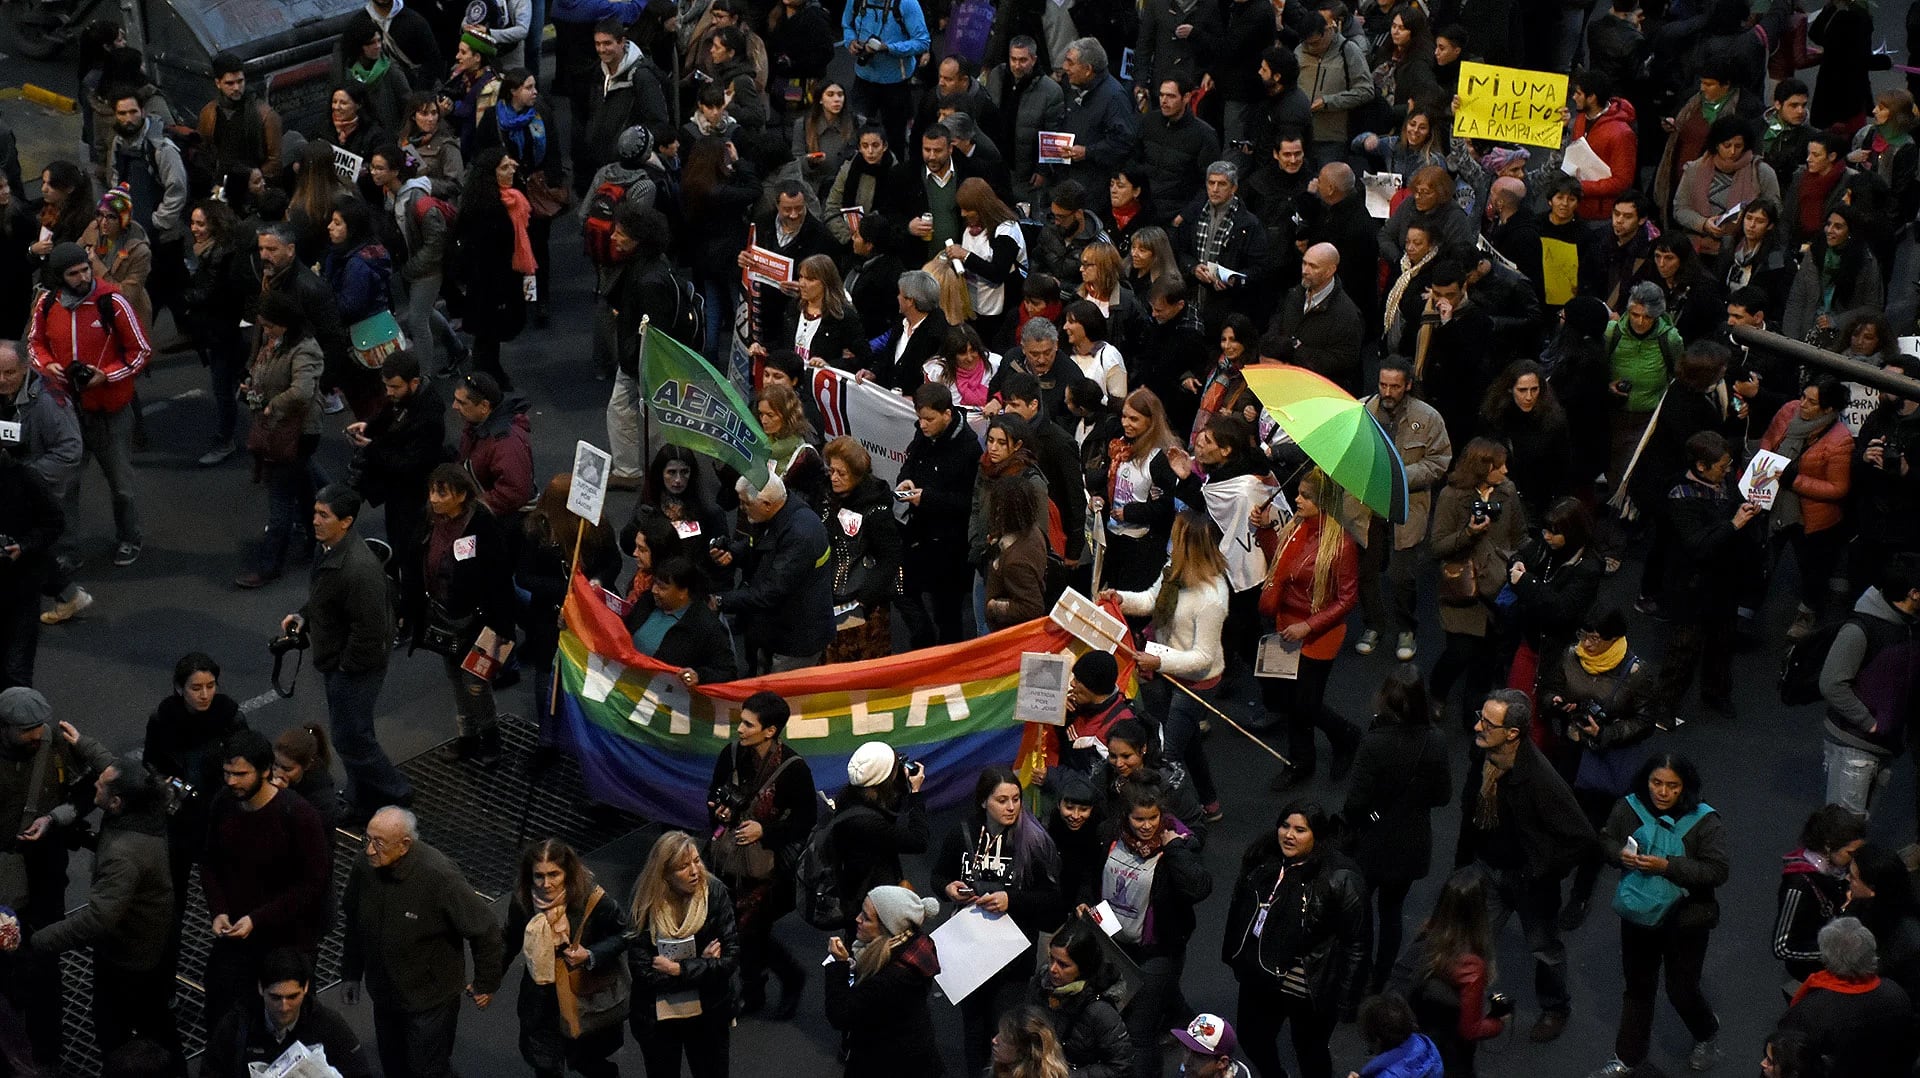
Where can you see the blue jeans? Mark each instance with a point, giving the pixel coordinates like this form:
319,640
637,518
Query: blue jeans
720,294
1180,737
108,438
372,780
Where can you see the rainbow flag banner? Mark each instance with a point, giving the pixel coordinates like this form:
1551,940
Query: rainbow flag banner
647,742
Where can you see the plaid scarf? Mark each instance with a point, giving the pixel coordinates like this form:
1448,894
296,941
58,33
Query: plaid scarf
1215,227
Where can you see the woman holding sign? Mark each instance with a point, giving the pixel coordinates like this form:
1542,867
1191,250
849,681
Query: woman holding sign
1000,860
684,952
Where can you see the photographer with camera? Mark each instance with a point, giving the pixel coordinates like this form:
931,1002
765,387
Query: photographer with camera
184,736
45,782
1886,484
348,623
878,816
762,806
87,338
1596,700
1478,525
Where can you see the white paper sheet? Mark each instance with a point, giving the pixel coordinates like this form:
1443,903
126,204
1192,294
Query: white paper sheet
1579,161
973,946
1381,187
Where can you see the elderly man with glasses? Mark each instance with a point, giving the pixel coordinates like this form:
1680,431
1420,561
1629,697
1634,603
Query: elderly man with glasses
1522,827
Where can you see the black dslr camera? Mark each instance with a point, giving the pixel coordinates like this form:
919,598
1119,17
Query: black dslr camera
1485,509
297,640
78,375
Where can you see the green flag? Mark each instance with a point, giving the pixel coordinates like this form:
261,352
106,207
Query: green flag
700,410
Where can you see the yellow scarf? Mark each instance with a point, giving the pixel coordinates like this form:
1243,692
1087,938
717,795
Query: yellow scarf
1606,660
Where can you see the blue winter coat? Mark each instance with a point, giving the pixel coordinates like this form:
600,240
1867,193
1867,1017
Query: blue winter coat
1415,1058
899,24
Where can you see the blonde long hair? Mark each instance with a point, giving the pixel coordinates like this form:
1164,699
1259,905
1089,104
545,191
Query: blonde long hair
1195,561
956,300
1326,496
657,907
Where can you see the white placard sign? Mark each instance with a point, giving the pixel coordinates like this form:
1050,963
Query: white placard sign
591,468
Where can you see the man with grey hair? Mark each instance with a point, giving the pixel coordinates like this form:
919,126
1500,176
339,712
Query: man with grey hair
1100,117
1175,145
1028,103
1521,826
278,270
1224,242
1514,232
1860,1022
785,597
920,335
411,920
975,152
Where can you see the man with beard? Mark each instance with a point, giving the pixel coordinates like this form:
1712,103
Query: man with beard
1426,452
278,270
1275,191
1039,349
1628,257
397,449
1285,112
266,872
241,129
33,867
150,166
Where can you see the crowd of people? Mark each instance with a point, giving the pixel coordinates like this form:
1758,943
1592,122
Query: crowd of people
1063,240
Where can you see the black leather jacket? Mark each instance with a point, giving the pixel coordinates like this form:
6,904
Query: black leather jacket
1316,918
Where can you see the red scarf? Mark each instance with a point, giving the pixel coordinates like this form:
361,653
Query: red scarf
1823,979
642,584
1016,464
1119,451
1123,216
1813,198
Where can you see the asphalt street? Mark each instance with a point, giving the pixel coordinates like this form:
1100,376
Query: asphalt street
106,670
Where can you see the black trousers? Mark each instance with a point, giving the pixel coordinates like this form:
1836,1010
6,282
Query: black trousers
19,636
702,1040
129,1004
1257,1018
1703,645
1683,951
1389,901
1304,700
416,1044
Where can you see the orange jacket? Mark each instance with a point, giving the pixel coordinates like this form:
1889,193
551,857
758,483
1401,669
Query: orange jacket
62,337
1287,596
1826,470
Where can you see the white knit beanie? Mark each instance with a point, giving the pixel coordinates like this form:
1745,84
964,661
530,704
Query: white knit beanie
871,764
900,909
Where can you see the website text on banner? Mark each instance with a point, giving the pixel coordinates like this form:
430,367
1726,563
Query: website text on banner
881,421
647,742
1507,104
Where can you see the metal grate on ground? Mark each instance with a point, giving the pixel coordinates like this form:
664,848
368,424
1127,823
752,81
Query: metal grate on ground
472,814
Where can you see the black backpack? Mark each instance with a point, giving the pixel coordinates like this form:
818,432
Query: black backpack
816,873
1800,670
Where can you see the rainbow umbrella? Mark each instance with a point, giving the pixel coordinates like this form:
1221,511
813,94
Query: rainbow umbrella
1336,432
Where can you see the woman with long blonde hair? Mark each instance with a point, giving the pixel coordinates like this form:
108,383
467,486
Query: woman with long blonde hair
1313,584
683,951
877,988
956,300
1138,524
1026,1047
1188,607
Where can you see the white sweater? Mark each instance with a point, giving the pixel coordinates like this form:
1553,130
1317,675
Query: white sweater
1193,633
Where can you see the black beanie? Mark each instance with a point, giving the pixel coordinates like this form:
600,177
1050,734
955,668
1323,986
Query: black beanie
1098,671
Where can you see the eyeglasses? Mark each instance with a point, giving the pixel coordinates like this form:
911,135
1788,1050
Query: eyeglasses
1488,724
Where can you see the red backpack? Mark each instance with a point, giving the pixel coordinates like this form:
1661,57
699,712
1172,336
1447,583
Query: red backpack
598,222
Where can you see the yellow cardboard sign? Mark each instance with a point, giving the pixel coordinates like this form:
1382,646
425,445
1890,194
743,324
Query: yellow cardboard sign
1508,104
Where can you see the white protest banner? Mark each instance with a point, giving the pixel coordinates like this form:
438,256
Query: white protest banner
880,420
1231,503
591,466
1042,696
1760,483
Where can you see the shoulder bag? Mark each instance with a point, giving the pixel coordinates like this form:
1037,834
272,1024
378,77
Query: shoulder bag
592,1000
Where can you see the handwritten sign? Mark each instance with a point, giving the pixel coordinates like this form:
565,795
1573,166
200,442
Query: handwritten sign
1054,146
587,498
1506,104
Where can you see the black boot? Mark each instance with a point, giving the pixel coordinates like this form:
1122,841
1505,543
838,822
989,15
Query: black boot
791,988
460,749
753,994
488,752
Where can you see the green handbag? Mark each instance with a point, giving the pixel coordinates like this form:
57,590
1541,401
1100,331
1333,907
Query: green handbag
375,338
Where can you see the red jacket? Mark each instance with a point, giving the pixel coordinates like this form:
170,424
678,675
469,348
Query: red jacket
499,453
1288,594
1611,136
1826,469
61,337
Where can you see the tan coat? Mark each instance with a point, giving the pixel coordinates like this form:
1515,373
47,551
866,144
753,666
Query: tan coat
287,380
1491,550
129,269
1427,453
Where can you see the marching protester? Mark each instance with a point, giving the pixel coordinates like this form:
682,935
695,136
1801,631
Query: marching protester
1032,242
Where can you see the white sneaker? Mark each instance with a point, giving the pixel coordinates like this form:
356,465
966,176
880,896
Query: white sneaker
1403,647
67,610
333,403
1613,1068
